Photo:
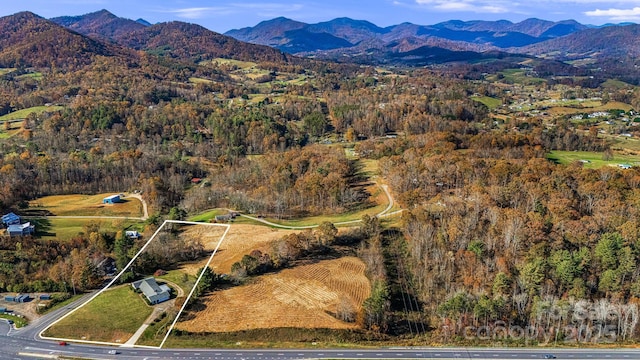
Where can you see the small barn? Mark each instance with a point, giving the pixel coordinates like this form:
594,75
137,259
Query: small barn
21,229
113,199
10,219
132,234
152,291
21,298
223,218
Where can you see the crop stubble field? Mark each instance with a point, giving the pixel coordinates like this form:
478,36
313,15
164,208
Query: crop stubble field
240,240
299,297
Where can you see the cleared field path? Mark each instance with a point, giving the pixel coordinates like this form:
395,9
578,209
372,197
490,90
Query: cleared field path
383,213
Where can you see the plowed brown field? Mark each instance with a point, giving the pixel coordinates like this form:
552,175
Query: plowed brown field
240,240
299,297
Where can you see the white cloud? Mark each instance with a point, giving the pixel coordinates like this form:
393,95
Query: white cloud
479,6
200,12
260,9
616,14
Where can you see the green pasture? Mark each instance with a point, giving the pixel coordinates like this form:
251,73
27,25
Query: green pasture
113,316
21,114
488,101
592,160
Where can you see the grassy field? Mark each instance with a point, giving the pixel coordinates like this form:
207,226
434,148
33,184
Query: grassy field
4,71
34,75
289,338
592,160
18,321
197,80
209,216
626,143
488,101
21,114
616,84
300,297
332,218
87,205
64,229
14,128
518,76
238,63
113,316
61,304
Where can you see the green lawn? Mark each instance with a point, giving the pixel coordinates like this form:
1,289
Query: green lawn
18,321
21,114
113,316
64,229
488,101
208,215
592,160
180,278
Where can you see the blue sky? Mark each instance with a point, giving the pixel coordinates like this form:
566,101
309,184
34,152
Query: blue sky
224,15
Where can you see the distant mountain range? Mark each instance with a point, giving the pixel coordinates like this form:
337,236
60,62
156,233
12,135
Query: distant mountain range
282,32
29,40
344,37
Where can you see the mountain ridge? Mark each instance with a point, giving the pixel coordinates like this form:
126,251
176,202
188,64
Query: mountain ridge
501,34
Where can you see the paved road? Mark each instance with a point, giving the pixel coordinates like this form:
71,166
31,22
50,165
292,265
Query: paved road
26,344
18,348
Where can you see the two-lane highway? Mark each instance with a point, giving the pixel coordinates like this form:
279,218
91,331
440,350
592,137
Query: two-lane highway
19,347
26,344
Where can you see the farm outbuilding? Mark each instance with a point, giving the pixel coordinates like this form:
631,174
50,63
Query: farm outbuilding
132,234
10,219
223,218
21,229
20,298
113,199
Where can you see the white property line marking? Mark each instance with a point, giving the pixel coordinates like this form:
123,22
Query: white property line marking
197,281
123,271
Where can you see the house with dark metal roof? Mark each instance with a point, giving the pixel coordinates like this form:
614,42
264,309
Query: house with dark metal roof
154,293
21,229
